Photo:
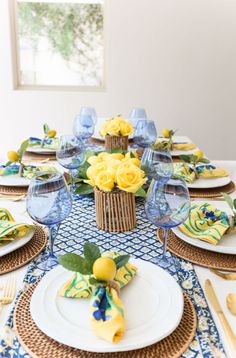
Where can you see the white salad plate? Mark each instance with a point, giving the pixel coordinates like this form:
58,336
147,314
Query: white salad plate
39,150
180,139
227,244
14,180
207,183
153,303
98,126
6,248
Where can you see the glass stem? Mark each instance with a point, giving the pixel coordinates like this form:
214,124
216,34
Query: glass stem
72,175
165,242
53,230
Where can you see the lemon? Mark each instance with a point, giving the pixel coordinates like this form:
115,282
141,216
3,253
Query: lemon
104,269
52,133
166,133
199,154
13,156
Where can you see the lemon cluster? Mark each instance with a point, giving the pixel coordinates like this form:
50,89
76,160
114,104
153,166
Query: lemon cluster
109,170
116,126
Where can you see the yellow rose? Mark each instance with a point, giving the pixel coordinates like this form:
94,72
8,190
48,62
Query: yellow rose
95,169
103,155
128,154
199,154
166,133
135,161
111,127
105,181
129,177
52,133
125,127
94,159
118,156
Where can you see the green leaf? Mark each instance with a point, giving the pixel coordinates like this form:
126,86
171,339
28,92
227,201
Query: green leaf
94,281
121,260
84,189
194,158
91,253
228,200
8,163
82,170
23,147
132,155
117,150
46,128
186,158
204,160
141,193
234,204
76,263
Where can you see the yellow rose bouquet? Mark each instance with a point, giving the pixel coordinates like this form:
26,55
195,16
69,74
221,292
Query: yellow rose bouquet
116,131
116,178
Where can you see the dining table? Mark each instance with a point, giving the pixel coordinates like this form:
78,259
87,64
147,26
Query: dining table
210,339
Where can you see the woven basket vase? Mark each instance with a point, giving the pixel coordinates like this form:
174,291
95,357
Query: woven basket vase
112,141
115,210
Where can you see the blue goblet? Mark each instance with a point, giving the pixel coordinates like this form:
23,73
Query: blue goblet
49,203
71,154
89,111
83,127
136,114
167,205
145,133
157,163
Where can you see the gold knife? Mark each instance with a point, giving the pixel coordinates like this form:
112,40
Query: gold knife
215,304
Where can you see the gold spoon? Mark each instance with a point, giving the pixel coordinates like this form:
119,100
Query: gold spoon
231,303
226,276
12,197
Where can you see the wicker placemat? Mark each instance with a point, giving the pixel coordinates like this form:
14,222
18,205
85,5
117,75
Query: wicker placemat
212,192
24,254
196,255
13,190
38,156
38,345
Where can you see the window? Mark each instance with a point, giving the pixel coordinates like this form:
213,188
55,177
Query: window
59,43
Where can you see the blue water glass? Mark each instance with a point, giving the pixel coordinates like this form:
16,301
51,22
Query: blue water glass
71,154
83,127
157,164
136,114
49,203
145,133
167,205
89,111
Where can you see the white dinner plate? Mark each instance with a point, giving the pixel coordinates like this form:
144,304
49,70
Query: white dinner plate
204,183
153,302
98,125
39,150
227,244
14,180
17,243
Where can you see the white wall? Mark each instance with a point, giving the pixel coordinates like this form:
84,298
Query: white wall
176,58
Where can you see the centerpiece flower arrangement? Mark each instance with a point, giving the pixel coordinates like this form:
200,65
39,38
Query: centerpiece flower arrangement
116,131
103,275
115,178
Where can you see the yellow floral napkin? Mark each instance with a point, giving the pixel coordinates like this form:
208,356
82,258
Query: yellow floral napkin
184,171
10,229
49,143
28,170
106,308
206,223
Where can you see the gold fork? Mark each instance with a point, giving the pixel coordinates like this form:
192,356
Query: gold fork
9,292
226,276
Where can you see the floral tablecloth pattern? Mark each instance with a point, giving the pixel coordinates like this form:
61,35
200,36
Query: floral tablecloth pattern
140,243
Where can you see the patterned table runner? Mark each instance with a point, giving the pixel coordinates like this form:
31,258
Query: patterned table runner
140,243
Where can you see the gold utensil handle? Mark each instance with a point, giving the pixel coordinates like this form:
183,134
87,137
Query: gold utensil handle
228,330
1,307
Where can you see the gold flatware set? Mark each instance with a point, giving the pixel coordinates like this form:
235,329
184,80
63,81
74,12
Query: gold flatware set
8,293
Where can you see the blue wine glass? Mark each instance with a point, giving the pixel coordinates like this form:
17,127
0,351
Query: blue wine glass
89,111
71,154
167,205
49,203
145,133
83,127
136,114
157,164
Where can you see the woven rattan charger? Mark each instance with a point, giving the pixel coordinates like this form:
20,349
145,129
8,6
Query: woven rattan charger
24,254
38,345
196,255
212,192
